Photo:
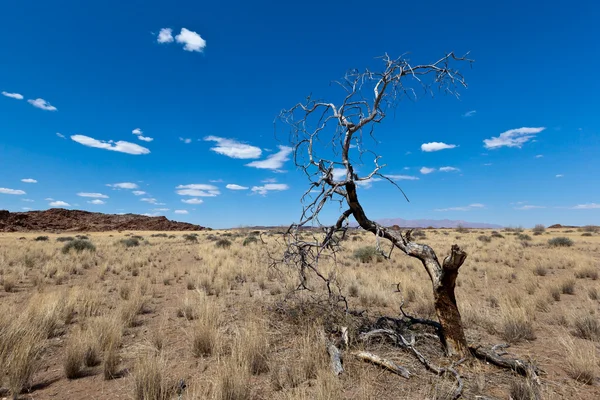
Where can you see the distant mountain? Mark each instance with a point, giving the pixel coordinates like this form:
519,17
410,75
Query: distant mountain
434,223
58,219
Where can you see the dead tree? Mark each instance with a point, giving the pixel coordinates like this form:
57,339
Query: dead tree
328,142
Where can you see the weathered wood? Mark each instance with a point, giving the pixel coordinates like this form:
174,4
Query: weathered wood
335,356
382,362
519,366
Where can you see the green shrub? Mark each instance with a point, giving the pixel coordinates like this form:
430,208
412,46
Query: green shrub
163,235
41,239
223,243
523,236
78,245
367,254
586,234
560,242
250,240
65,238
484,238
190,238
130,242
496,234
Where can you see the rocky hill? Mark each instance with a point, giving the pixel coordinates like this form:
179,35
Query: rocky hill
60,220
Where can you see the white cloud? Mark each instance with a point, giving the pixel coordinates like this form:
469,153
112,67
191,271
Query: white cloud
97,202
120,146
198,190
161,209
426,170
448,169
145,138
234,149
150,200
137,131
512,138
93,195
43,104
436,146
49,199
529,207
60,135
274,161
165,35
11,191
559,175
138,192
402,177
588,206
469,113
155,214
465,208
28,180
233,186
539,156
186,141
181,212
17,96
26,208
216,180
192,201
28,200
266,188
269,180
59,203
191,40
487,164
124,185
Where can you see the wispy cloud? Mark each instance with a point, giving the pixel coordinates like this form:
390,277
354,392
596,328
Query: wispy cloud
233,186
587,206
185,140
529,207
97,202
449,169
191,40
512,138
274,161
161,209
60,135
165,35
198,190
59,203
269,187
120,146
29,180
426,170
269,180
192,201
181,212
93,195
150,200
465,208
124,185
539,156
11,191
559,175
436,146
28,200
138,192
469,113
17,96
234,149
402,177
42,104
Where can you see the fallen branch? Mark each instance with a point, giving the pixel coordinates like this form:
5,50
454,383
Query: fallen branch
336,359
519,366
382,362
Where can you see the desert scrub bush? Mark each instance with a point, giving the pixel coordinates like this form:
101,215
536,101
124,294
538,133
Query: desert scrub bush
65,238
523,236
538,229
591,229
161,235
581,361
417,233
462,229
560,242
589,272
367,254
484,238
41,239
516,324
130,242
9,283
540,270
150,378
205,334
250,240
496,234
190,238
587,234
20,350
568,287
232,381
223,243
73,359
78,245
586,326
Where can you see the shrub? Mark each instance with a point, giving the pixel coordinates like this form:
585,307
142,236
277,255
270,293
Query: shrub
586,234
417,233
65,238
484,238
539,229
78,245
130,242
138,237
223,243
568,287
523,236
41,239
591,229
150,378
560,242
9,284
190,238
82,237
163,235
250,240
498,235
461,229
589,272
587,326
367,254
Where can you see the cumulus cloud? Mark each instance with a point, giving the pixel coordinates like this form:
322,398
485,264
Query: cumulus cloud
11,191
43,104
181,212
93,195
274,161
59,203
97,202
138,192
449,169
512,138
192,201
402,177
587,206
469,113
186,141
232,148
198,190
120,146
17,96
465,208
233,186
436,146
264,189
426,170
191,40
28,180
124,185
165,35
60,135
138,132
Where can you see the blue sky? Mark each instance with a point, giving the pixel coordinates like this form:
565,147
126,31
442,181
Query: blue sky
76,75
